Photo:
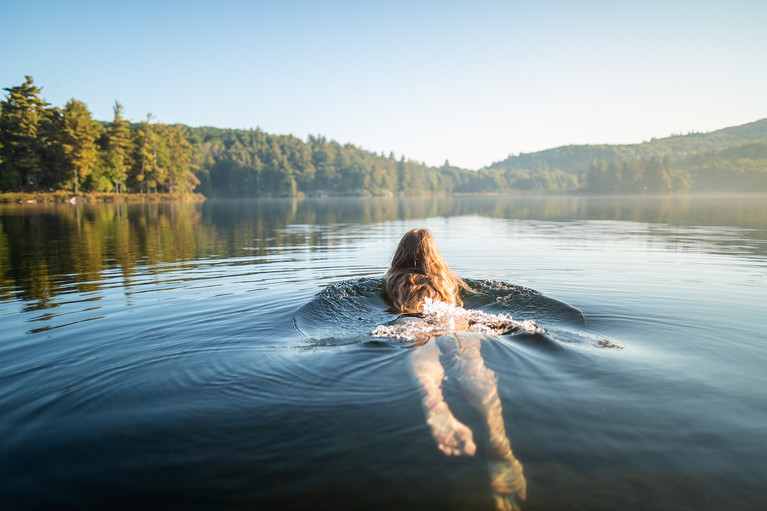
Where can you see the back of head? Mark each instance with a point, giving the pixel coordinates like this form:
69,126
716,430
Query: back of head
407,291
418,270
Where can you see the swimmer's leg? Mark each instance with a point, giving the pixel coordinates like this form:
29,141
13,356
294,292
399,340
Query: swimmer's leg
480,387
452,436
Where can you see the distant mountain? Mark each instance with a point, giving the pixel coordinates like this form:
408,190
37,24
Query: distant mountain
577,159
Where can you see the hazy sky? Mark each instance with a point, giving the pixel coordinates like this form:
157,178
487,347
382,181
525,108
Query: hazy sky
471,82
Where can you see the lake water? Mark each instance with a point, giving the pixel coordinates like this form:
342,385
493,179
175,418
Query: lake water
220,355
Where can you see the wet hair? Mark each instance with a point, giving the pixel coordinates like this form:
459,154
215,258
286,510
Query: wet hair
417,271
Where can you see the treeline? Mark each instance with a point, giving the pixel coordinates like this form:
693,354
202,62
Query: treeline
516,180
731,159
741,168
245,163
573,159
633,175
45,148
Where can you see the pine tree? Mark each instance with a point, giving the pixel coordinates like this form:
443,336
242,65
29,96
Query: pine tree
55,172
118,142
180,177
23,113
79,141
158,178
143,155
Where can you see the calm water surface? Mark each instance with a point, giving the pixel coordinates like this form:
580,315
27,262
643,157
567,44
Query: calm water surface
220,356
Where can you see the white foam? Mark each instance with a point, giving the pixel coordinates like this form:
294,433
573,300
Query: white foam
442,318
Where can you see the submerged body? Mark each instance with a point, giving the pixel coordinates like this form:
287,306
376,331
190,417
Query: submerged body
418,276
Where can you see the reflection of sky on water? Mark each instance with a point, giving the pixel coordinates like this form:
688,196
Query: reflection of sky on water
163,319
53,250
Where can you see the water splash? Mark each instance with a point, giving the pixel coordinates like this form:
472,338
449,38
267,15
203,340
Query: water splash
440,318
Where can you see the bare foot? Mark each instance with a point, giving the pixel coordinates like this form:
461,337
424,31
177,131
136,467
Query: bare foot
508,484
453,437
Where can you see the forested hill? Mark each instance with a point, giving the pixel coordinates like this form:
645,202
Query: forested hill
49,148
577,159
248,163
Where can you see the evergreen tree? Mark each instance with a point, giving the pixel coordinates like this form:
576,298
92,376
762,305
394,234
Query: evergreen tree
179,176
55,171
117,150
300,159
143,155
23,114
79,141
158,179
322,160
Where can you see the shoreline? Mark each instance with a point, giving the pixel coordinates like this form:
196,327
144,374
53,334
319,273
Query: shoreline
61,197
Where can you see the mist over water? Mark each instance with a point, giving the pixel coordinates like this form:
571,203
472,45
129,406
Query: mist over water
221,355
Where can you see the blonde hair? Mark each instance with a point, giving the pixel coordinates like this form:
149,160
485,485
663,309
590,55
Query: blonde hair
417,271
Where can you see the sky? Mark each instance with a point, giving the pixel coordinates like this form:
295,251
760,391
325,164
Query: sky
470,82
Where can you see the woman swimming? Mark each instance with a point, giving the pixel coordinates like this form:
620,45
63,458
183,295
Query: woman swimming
418,271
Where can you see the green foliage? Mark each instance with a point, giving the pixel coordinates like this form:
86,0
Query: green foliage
244,163
634,175
240,163
253,163
145,142
570,158
731,159
47,148
115,157
742,168
23,119
178,178
78,141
